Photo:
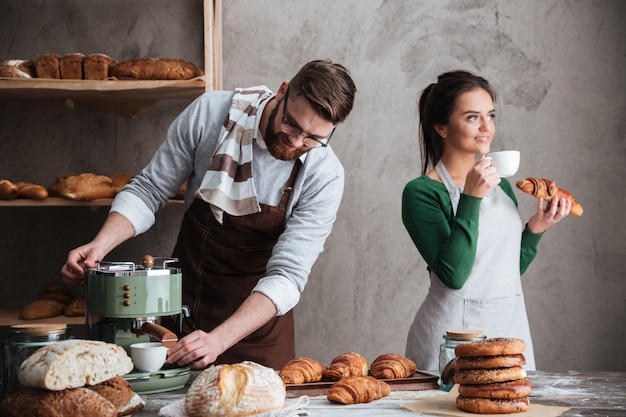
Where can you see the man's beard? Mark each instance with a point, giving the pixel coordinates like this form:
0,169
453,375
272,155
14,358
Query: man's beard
274,143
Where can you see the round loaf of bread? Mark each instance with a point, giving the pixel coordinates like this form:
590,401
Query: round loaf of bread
511,389
491,347
240,389
493,406
489,362
488,376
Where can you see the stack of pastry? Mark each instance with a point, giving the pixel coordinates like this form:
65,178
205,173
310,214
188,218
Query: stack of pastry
490,376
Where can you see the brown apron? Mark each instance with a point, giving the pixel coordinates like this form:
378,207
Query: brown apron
222,263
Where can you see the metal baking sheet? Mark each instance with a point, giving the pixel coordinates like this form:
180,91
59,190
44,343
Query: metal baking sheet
417,382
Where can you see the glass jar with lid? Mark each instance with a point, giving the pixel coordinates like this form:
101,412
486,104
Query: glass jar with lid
22,341
451,340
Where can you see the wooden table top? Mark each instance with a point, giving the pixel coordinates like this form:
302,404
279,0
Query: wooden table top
587,393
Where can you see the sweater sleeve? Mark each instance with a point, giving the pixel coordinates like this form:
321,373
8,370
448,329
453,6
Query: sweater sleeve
447,242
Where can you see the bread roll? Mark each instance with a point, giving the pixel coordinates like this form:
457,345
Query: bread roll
490,362
301,370
155,69
42,309
511,389
17,68
345,365
492,406
31,191
77,402
8,190
71,66
356,390
491,347
48,66
97,66
391,366
74,363
120,180
241,389
487,376
76,308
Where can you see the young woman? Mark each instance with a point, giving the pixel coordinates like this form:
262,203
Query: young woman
464,221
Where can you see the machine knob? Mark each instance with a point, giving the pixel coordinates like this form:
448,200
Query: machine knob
126,303
126,295
126,287
147,261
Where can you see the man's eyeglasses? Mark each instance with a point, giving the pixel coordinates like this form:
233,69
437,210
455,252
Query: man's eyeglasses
290,129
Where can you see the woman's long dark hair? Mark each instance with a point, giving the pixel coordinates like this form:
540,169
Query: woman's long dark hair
436,105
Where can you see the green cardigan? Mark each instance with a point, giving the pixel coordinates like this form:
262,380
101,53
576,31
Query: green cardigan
448,242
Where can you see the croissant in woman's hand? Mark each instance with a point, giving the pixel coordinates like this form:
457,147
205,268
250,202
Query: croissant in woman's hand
547,189
345,365
360,389
391,365
301,370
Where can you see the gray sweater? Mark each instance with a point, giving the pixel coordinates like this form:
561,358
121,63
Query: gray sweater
186,154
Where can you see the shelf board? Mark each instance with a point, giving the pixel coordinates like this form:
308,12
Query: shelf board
126,97
10,317
62,202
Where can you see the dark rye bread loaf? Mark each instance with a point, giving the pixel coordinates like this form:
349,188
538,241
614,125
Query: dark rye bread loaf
76,402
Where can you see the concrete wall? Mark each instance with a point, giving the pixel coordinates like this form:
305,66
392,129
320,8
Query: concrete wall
559,69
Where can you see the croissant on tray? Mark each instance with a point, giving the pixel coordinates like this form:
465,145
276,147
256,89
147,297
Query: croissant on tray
358,389
301,370
547,189
346,365
391,366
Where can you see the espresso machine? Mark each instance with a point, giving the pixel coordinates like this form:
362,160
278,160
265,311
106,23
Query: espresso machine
125,303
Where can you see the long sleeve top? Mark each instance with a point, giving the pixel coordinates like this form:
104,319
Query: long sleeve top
446,241
186,154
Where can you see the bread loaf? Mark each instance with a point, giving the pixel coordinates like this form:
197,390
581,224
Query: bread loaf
155,69
17,68
241,389
391,366
345,365
76,308
120,180
493,406
74,363
119,392
48,66
42,309
71,66
8,190
77,402
97,66
82,187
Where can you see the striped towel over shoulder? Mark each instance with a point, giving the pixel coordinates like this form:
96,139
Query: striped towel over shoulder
227,185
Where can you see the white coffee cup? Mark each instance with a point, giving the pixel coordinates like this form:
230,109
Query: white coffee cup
506,162
148,356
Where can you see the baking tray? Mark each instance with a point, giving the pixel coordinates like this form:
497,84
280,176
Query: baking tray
417,382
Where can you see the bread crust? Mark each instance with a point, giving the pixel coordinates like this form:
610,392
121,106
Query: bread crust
42,309
47,66
488,376
511,389
491,347
493,406
119,392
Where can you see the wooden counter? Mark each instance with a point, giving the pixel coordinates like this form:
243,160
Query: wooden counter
587,393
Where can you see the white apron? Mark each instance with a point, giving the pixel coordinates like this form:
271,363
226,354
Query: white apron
491,299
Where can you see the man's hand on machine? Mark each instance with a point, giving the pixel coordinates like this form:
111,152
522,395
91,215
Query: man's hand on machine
198,350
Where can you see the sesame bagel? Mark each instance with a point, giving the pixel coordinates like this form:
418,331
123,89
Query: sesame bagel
491,347
488,376
493,406
507,390
489,362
